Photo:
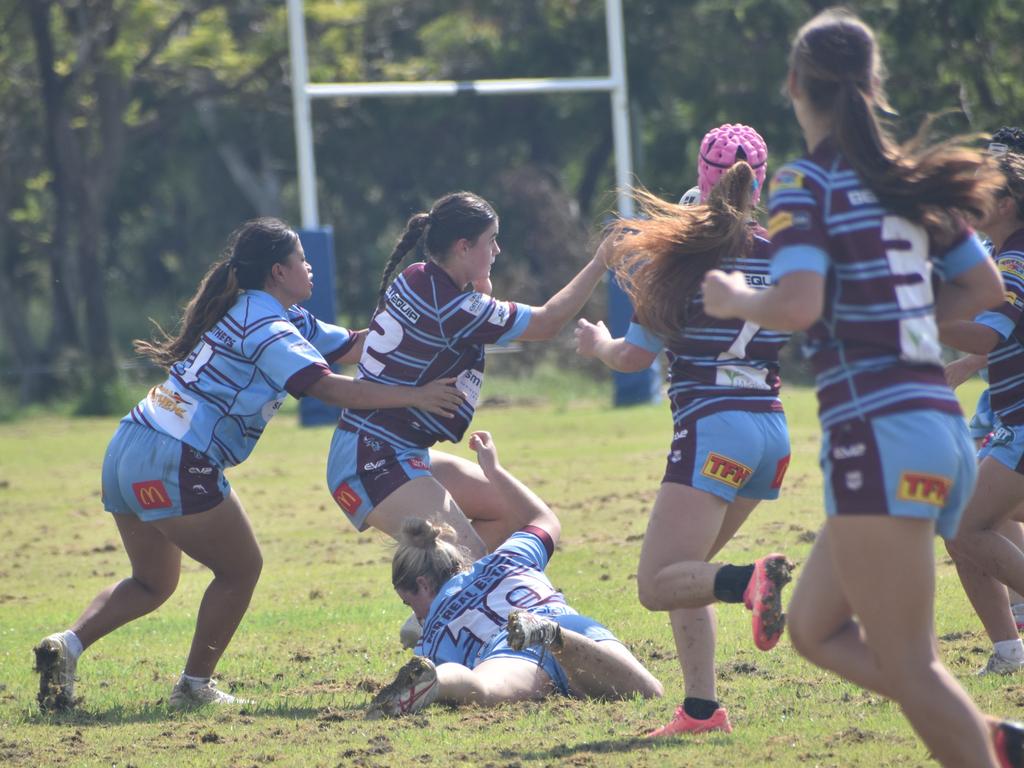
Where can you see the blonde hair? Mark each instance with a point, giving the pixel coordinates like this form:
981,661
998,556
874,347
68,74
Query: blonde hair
426,548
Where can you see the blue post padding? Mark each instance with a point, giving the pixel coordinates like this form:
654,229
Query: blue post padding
319,247
630,388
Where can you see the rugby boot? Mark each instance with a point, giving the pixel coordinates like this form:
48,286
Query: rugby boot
414,687
763,596
683,723
527,629
56,667
188,696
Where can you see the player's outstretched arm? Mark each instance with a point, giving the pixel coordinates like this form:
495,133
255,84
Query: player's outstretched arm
439,397
595,340
530,506
546,321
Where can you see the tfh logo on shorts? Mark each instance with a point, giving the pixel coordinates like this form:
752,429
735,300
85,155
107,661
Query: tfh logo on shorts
417,463
151,494
725,470
927,489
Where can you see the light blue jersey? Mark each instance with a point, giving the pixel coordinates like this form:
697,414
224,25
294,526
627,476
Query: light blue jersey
472,607
219,399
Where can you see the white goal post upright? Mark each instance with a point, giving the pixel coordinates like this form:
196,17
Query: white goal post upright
629,388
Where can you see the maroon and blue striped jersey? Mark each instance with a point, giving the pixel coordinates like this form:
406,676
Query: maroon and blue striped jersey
875,348
430,328
1006,361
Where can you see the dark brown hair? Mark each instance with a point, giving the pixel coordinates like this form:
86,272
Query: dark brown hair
660,258
836,62
250,253
451,218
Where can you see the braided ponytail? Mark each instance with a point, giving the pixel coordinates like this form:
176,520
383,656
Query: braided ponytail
414,231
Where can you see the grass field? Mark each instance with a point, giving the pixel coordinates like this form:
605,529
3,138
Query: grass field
321,633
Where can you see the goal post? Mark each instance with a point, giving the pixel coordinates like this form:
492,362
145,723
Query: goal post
629,388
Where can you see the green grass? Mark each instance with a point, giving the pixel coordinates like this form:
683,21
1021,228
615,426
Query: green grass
322,629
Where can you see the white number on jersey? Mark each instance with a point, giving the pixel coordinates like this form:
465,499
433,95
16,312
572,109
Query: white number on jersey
380,342
919,336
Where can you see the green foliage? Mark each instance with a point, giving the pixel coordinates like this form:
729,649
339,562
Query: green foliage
194,97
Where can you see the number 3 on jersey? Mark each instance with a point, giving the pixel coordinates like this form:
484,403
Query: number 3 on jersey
385,335
906,249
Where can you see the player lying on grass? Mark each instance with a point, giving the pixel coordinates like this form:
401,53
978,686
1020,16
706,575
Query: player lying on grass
496,630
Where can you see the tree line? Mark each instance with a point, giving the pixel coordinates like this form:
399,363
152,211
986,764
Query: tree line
135,134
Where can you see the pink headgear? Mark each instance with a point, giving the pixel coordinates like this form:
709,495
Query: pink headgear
723,146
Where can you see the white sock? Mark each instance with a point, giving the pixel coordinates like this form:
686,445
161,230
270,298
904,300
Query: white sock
195,682
74,644
1011,650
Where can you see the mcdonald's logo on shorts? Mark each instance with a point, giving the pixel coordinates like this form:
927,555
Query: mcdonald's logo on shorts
347,499
927,489
780,471
725,470
152,494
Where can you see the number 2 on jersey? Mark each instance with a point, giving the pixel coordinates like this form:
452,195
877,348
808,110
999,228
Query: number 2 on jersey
381,340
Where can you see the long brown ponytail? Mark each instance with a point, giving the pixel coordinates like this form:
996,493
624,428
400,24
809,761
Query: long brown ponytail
661,258
836,62
456,216
250,254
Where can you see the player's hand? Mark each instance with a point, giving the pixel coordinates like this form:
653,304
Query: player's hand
440,397
722,291
589,335
606,251
486,451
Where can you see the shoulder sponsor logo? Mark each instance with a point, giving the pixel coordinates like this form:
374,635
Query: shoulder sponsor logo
852,451
152,494
347,499
1012,265
475,304
787,178
780,471
725,470
861,197
417,463
757,281
403,306
500,314
927,489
